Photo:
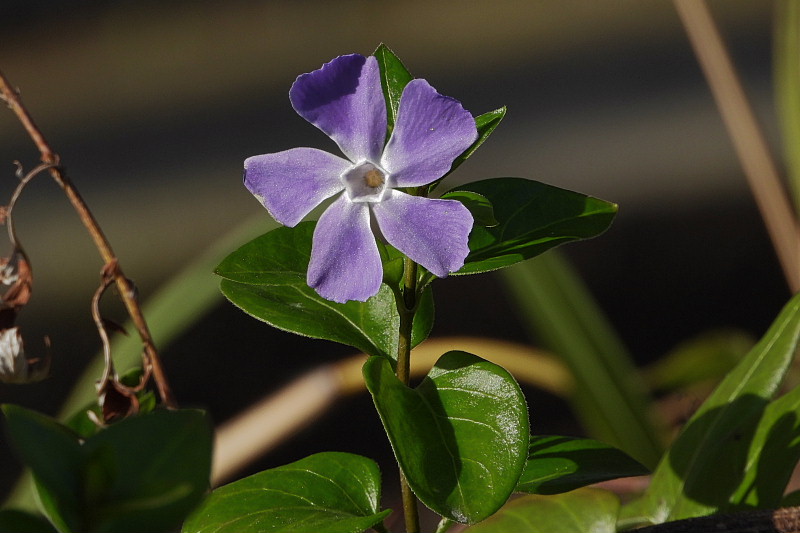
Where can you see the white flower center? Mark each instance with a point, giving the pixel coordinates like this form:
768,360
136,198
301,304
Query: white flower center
365,182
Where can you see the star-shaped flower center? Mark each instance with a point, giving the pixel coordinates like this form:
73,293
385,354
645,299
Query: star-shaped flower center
365,182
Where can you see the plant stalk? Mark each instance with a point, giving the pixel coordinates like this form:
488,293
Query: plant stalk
124,285
406,309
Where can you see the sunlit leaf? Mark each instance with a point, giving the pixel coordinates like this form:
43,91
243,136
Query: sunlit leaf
327,492
581,511
707,463
461,436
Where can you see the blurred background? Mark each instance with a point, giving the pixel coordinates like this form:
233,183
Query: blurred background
153,106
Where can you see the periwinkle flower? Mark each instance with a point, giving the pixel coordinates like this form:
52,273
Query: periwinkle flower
345,100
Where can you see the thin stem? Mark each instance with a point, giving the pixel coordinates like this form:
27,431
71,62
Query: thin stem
406,308
748,139
124,285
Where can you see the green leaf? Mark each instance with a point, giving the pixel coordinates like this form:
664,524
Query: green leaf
329,492
266,278
15,521
144,473
532,218
480,208
773,455
189,294
583,510
53,453
460,437
706,464
561,464
394,78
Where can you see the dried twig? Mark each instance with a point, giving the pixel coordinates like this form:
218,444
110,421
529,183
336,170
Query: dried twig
117,400
124,285
748,139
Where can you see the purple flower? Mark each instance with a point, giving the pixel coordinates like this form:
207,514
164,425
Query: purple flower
345,100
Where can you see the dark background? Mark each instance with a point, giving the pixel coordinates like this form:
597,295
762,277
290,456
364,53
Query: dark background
153,106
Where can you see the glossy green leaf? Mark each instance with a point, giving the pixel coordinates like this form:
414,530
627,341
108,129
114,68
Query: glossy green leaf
581,511
706,464
15,521
561,464
53,453
143,473
329,492
532,218
480,208
394,78
460,437
266,278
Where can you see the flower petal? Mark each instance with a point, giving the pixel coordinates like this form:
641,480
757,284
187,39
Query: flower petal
345,100
345,263
293,182
434,233
431,131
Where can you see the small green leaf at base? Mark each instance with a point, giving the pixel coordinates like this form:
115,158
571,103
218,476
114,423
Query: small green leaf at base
329,492
561,464
144,473
460,437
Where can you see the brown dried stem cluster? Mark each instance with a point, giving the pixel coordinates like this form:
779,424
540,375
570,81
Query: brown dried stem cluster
111,264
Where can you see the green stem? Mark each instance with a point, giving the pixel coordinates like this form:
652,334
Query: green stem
406,307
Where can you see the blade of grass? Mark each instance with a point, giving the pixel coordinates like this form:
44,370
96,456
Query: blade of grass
609,397
786,62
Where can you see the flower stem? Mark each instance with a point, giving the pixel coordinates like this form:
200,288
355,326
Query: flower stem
407,308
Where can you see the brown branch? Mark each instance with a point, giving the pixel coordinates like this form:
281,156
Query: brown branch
746,135
124,285
785,520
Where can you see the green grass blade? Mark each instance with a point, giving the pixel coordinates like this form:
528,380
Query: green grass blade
786,56
609,397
